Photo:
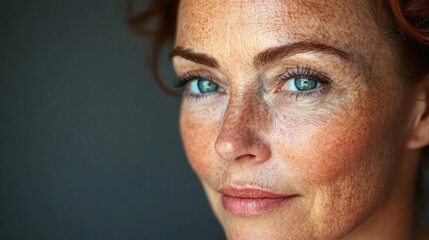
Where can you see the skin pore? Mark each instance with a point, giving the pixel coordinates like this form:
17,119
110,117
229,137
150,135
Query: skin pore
343,149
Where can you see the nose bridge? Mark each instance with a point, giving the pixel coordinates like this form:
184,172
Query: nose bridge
242,134
239,112
244,113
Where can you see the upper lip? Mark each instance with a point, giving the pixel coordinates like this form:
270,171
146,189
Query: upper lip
249,193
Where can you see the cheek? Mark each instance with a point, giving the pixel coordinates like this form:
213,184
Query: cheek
356,134
324,152
199,134
344,159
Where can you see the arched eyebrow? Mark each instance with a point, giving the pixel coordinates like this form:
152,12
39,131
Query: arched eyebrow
190,55
274,54
265,57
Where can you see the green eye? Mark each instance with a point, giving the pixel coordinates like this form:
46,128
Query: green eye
305,84
203,86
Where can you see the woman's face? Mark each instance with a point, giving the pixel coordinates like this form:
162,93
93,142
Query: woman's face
294,115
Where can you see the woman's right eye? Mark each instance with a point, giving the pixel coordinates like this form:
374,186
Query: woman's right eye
201,86
196,85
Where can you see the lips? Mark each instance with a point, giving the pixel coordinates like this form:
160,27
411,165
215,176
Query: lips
251,202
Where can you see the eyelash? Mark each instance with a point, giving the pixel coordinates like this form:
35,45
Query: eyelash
305,72
182,81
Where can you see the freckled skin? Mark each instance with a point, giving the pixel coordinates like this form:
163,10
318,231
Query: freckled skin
343,152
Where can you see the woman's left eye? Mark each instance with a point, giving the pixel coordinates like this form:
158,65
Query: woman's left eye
300,84
201,86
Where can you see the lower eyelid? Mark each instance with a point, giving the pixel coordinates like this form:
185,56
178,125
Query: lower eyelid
313,94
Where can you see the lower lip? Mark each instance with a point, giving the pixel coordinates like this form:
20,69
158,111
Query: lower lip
252,206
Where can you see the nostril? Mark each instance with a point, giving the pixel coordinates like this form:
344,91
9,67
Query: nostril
245,157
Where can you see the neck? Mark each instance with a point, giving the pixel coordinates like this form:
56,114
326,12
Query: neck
395,218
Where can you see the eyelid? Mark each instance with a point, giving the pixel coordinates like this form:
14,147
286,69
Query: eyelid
306,72
183,82
202,74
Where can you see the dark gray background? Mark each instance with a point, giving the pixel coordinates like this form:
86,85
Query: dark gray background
89,147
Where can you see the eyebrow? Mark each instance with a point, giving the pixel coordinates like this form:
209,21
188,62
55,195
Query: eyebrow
275,54
190,55
267,56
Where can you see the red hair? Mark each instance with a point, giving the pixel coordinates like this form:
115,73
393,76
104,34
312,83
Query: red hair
164,12
413,18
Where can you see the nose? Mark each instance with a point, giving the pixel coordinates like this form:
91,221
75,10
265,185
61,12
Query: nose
241,135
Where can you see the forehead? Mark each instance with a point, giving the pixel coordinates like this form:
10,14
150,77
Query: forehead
221,26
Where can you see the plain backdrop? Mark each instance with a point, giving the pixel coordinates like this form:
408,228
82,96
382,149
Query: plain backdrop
89,147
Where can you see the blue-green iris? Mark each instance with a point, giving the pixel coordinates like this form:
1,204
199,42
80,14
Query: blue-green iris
206,86
305,84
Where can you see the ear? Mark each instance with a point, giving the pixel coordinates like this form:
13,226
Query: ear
420,130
